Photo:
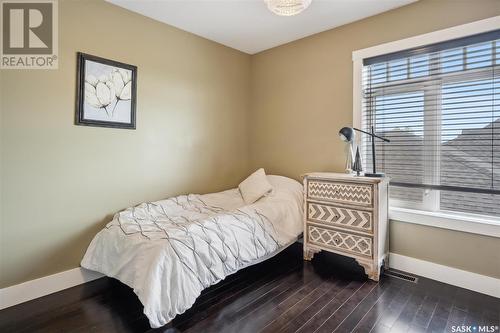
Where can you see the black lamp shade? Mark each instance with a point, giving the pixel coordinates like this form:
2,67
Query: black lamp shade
346,134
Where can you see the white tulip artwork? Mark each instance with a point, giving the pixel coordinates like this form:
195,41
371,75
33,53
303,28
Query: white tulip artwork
106,93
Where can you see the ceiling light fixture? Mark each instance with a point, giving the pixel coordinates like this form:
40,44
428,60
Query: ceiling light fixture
287,7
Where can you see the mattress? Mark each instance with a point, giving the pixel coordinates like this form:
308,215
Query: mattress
168,251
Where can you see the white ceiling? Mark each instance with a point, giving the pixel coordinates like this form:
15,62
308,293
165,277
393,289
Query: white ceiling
248,26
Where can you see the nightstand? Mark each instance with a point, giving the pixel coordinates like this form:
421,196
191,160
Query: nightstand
347,215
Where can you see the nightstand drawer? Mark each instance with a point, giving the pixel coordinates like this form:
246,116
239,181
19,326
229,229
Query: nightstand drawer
342,217
346,193
341,241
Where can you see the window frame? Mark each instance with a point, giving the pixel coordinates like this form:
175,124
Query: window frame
431,198
472,223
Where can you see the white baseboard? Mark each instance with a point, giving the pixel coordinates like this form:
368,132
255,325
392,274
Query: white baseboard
454,276
46,285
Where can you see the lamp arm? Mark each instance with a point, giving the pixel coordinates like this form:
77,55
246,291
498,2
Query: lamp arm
379,137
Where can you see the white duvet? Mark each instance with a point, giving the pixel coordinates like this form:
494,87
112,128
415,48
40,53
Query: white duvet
169,251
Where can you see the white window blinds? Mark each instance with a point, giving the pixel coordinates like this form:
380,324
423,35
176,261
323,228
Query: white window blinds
440,107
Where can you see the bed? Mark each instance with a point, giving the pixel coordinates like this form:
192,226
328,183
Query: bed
170,250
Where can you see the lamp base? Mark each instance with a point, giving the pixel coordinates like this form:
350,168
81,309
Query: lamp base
377,174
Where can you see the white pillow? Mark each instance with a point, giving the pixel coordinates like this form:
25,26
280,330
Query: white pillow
255,187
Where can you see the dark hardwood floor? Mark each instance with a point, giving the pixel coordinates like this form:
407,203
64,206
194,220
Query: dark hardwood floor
283,294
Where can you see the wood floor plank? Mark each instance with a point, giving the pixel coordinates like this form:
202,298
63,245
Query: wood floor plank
239,316
206,318
347,308
405,318
380,308
425,312
314,308
291,311
232,311
204,307
437,325
78,315
457,316
380,328
351,321
319,318
253,321
446,295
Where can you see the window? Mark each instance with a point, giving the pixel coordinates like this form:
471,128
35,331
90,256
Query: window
440,107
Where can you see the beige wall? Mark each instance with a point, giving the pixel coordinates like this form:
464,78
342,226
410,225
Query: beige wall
302,96
61,182
478,254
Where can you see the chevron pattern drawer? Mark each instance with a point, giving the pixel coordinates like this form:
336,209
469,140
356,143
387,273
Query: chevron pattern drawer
347,215
341,241
357,194
341,217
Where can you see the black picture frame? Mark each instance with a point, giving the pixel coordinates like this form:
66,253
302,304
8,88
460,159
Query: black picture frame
80,119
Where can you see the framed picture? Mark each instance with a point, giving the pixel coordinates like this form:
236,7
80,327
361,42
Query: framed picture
106,92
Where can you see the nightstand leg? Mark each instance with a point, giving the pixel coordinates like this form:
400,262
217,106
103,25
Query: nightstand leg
374,276
309,253
371,271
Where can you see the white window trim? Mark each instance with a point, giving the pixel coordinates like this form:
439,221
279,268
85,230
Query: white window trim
471,223
448,220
